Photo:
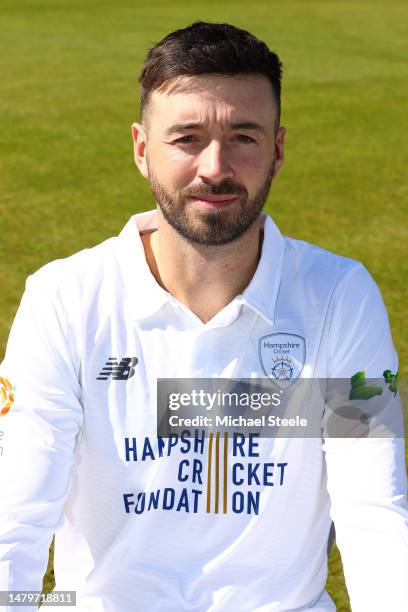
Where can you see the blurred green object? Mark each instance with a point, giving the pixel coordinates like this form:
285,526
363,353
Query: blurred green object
360,390
392,381
70,92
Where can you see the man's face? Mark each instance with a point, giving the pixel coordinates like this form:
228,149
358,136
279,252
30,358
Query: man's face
210,148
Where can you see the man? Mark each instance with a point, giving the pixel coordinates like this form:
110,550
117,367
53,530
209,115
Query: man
205,287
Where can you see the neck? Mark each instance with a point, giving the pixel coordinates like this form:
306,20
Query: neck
203,278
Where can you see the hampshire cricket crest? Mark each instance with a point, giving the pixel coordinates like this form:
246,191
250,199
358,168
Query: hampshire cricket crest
282,357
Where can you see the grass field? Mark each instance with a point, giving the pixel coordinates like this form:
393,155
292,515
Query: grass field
70,92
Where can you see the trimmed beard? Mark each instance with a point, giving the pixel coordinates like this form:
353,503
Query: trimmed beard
211,227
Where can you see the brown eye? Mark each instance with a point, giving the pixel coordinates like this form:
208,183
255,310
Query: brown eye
244,138
185,139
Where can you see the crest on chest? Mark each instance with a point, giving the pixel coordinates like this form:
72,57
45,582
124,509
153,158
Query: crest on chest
282,357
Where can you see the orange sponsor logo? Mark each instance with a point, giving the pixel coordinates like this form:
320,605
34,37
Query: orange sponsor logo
6,396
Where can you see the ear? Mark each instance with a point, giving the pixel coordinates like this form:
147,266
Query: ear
279,151
139,148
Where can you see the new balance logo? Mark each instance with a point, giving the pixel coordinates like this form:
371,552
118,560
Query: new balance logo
118,370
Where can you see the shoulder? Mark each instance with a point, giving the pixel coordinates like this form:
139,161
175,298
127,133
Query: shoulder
325,268
77,266
356,320
68,281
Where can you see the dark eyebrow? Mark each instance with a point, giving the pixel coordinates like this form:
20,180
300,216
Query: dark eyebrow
238,125
182,127
247,125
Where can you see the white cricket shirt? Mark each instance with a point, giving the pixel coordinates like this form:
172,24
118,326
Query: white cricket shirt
146,524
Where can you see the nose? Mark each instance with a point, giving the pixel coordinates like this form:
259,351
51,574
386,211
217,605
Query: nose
213,164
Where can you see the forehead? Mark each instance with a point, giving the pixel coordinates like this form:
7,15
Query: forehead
214,98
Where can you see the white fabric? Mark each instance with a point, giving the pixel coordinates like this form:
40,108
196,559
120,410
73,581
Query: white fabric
64,468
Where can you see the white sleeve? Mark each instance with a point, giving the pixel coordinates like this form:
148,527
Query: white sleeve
366,477
38,432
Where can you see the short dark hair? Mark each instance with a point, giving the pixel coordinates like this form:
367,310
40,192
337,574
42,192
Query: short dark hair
209,48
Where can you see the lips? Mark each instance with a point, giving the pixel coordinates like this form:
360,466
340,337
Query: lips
216,199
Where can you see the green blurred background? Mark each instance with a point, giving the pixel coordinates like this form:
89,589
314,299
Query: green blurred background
70,92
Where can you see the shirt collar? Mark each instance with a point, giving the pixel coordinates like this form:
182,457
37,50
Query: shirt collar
262,292
145,296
